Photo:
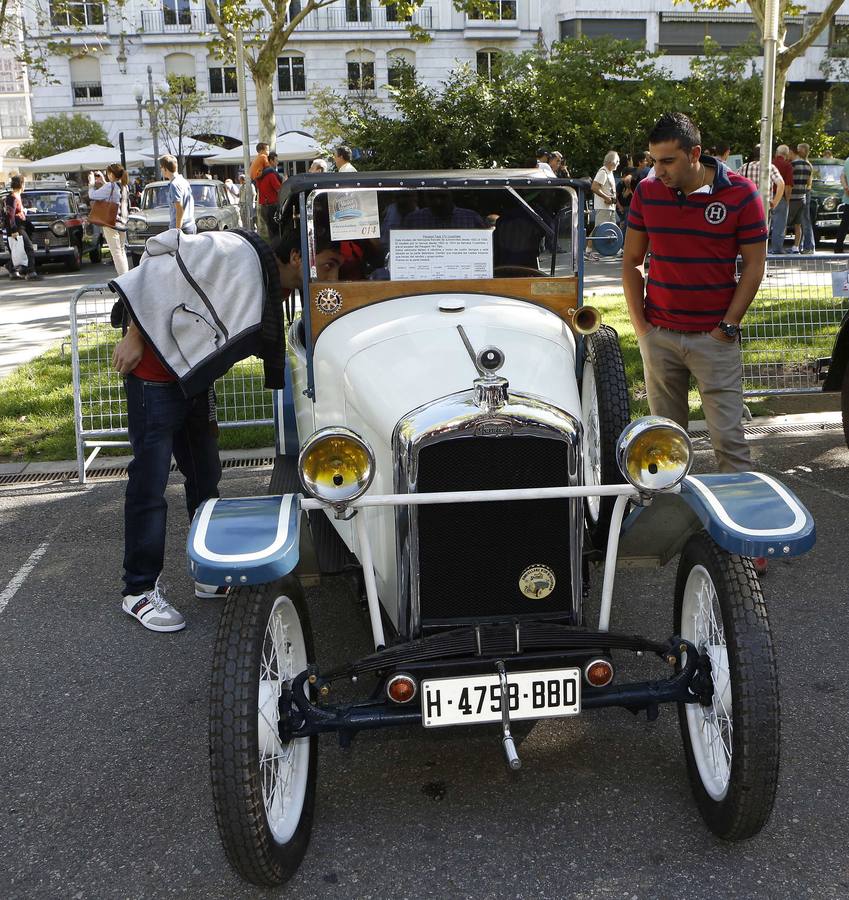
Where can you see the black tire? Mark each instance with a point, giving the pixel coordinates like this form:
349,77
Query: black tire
135,258
74,262
94,255
735,800
238,777
844,404
606,410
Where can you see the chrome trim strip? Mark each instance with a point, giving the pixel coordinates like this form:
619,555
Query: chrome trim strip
457,416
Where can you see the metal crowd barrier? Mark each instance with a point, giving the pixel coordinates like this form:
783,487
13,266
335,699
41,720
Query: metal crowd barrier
792,323
100,405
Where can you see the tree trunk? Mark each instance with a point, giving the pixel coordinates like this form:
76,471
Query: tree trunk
266,121
781,69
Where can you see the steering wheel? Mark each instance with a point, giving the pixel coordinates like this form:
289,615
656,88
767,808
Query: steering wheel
518,272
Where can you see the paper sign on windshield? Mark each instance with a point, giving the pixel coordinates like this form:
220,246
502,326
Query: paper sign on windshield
354,215
423,255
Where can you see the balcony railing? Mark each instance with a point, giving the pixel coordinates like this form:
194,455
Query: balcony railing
374,18
87,93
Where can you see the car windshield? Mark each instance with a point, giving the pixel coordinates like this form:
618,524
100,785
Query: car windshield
427,234
58,204
156,196
828,174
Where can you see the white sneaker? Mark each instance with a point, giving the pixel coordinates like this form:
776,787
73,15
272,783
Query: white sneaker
794,249
153,610
210,591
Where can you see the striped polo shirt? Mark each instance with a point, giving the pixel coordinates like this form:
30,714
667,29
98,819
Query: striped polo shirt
802,170
694,241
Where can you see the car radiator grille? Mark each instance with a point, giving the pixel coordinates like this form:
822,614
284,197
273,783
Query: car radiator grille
472,555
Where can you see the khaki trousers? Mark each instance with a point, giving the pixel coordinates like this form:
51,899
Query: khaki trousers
669,358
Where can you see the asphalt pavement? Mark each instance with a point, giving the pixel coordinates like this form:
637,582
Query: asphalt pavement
104,785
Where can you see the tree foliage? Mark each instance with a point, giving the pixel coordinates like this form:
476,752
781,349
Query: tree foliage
57,134
182,113
584,97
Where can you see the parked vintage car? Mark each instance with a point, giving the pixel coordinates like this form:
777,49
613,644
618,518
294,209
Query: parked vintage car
826,196
456,429
59,230
213,212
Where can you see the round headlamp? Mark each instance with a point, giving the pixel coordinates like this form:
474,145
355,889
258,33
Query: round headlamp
336,465
830,204
208,223
654,453
136,225
60,229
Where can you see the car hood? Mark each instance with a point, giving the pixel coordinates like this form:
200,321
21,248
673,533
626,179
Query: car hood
159,216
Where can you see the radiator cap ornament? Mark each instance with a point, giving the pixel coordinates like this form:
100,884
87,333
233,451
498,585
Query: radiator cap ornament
537,582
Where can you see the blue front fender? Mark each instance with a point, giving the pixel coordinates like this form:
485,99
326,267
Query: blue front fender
245,540
744,512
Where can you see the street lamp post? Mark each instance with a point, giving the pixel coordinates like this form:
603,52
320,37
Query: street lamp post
152,111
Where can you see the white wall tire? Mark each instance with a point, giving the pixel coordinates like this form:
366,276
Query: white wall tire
263,790
731,745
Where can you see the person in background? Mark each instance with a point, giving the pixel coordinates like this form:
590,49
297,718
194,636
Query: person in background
543,157
342,157
260,161
752,171
722,151
604,189
115,191
624,193
318,165
843,230
267,185
778,222
136,192
808,244
15,221
803,173
181,202
558,165
232,192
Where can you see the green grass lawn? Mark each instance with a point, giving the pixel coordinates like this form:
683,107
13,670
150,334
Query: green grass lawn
37,405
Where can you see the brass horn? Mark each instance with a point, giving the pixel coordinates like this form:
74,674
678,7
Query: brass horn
584,319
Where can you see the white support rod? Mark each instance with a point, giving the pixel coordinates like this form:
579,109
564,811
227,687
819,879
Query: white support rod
371,585
771,11
426,499
610,563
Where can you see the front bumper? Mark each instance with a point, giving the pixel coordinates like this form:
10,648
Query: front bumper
300,717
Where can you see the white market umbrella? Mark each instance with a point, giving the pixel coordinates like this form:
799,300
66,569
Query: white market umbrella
291,145
191,147
94,156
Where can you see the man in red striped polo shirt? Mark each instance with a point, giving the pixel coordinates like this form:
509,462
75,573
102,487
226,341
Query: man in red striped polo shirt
695,216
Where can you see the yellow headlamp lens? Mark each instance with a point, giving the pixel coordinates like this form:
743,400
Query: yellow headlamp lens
654,453
336,465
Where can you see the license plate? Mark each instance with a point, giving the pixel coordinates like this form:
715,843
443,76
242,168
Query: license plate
477,699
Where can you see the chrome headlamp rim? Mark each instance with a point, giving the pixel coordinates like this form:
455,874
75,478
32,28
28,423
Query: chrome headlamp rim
636,429
347,433
830,204
59,228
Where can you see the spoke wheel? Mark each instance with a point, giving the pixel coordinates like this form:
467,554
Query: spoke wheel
605,411
263,789
731,744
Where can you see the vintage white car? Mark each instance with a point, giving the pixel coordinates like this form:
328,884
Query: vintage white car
456,427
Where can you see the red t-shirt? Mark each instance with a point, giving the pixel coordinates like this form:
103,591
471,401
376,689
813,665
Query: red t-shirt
785,169
150,368
267,187
694,241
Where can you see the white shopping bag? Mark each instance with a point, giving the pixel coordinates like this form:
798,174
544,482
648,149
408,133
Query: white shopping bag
18,251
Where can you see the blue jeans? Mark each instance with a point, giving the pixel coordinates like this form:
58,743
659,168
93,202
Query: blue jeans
777,227
161,422
808,242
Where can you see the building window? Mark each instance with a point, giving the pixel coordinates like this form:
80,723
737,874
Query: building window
177,12
504,11
401,68
182,64
838,40
360,76
291,76
679,37
86,88
488,63
13,118
294,9
77,15
11,76
222,82
357,11
392,14
621,29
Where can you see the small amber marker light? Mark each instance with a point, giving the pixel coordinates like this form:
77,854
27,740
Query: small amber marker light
599,672
401,688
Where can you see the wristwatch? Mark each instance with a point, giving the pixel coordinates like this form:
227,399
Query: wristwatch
728,329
